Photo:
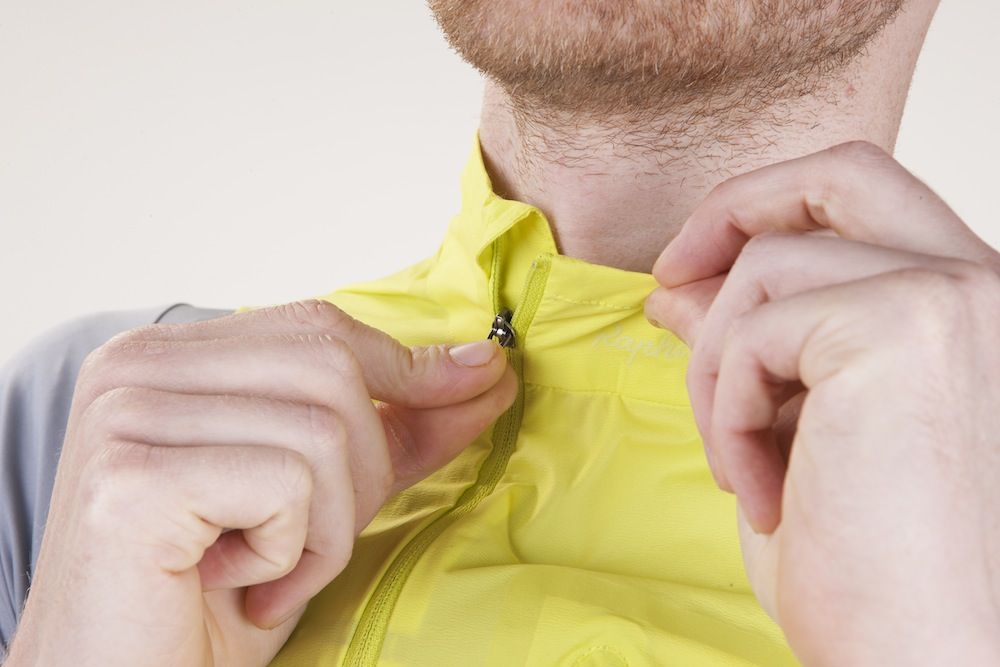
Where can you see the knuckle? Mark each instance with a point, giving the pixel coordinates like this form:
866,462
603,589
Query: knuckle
754,247
110,352
337,354
412,364
124,461
761,248
847,169
704,363
830,407
764,259
118,350
980,297
283,561
330,352
930,308
112,410
117,400
724,200
294,478
90,366
315,312
739,328
722,188
327,433
708,352
736,339
115,479
860,151
126,342
980,280
942,293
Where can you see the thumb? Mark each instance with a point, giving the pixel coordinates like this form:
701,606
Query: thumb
422,440
420,377
433,400
429,376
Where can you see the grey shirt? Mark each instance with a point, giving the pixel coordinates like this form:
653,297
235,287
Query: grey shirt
36,389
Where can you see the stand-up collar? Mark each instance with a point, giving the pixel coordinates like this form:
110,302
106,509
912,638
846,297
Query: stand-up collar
588,331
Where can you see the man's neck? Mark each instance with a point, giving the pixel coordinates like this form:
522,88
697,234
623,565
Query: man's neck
616,191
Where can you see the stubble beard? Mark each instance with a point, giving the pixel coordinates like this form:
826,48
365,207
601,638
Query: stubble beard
634,59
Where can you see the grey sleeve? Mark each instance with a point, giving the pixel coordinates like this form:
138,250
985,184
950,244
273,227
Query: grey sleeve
36,389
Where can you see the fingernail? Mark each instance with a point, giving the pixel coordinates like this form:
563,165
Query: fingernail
474,354
649,307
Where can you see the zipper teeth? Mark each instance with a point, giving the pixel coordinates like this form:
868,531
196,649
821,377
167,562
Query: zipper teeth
369,636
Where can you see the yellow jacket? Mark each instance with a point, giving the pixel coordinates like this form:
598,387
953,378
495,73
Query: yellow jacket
583,528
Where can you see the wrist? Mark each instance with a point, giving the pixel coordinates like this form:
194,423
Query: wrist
23,648
966,643
19,652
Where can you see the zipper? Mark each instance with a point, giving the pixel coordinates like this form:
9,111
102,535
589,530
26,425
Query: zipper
369,635
503,329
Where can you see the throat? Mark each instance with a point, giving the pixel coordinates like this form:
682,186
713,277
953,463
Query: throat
603,205
617,190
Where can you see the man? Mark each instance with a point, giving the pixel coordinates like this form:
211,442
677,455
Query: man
214,474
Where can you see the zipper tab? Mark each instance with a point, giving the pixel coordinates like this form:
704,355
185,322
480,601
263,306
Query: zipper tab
502,329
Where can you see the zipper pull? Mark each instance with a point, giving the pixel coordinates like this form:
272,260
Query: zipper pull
502,329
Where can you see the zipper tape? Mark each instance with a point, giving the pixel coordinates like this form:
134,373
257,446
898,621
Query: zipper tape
369,636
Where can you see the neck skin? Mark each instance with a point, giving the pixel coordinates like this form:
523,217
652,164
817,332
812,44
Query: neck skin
614,197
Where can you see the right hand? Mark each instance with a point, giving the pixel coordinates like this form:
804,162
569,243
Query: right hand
215,475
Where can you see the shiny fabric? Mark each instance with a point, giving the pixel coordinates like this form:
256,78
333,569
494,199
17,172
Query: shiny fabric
604,540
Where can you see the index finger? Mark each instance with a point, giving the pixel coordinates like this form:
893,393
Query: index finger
419,377
856,189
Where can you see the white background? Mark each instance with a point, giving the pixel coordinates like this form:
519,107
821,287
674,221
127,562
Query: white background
242,153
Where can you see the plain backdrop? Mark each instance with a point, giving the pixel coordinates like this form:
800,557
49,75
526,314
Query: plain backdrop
243,153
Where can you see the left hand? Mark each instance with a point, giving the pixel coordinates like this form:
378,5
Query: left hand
845,376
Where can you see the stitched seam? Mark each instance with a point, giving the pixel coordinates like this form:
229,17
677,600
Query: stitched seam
605,392
585,302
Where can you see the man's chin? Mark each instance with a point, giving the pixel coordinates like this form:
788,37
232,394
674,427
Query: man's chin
621,56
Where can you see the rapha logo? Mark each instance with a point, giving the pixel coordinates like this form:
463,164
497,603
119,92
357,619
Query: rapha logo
664,346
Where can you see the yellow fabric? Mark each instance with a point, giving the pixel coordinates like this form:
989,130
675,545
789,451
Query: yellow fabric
604,540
